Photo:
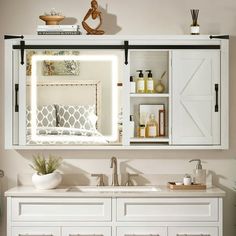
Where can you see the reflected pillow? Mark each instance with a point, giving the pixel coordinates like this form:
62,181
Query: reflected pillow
46,116
78,116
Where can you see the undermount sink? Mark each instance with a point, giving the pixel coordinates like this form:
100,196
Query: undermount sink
117,189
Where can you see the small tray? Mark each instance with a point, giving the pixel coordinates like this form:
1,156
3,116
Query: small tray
193,186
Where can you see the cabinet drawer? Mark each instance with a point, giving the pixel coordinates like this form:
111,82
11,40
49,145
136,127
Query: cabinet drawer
61,209
86,231
141,231
167,209
193,231
36,231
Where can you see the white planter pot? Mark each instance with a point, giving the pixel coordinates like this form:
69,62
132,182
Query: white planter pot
48,181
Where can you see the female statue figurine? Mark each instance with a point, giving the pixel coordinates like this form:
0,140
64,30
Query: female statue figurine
95,14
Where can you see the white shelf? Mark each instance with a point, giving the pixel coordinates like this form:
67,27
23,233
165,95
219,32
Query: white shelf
149,95
150,140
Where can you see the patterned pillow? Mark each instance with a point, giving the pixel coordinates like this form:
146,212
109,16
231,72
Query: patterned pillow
79,116
46,116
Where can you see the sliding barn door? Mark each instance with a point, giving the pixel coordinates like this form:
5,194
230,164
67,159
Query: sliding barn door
196,97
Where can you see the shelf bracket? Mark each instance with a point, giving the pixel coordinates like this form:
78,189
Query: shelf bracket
13,36
219,37
22,51
126,47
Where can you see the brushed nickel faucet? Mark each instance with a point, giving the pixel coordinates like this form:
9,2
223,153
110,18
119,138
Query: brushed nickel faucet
115,181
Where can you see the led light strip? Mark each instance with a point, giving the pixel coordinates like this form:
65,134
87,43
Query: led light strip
99,58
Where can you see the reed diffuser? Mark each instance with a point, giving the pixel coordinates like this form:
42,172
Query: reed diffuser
195,27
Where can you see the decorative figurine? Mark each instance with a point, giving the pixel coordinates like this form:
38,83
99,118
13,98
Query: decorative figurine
95,14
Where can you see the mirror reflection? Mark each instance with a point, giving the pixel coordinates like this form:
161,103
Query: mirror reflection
73,97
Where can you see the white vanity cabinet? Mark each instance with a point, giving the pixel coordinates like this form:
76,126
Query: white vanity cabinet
87,80
115,215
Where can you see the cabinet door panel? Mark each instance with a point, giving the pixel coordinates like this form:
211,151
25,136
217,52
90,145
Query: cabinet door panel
86,231
167,209
61,209
36,231
193,231
195,80
141,231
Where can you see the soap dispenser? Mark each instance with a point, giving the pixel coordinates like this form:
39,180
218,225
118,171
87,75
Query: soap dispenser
149,82
140,82
199,173
132,85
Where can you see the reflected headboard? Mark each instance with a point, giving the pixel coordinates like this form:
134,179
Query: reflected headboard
69,92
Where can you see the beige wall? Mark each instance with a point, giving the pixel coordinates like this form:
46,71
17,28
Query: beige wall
133,17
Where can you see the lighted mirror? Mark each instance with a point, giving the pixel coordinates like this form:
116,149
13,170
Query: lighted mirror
73,97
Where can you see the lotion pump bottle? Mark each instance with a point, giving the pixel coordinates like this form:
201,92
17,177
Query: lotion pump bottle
140,82
149,82
131,126
199,173
132,85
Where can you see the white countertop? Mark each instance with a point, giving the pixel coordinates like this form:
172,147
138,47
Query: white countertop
30,191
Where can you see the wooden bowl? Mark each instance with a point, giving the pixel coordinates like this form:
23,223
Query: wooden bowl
52,20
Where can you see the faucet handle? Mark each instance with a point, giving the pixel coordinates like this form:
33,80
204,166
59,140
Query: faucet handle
100,179
129,181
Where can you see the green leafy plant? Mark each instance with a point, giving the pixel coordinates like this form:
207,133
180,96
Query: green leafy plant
45,166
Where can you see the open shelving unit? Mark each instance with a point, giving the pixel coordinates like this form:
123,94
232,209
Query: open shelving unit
149,95
150,140
157,61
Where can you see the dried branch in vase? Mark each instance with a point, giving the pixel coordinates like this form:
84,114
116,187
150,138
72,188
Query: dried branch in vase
194,13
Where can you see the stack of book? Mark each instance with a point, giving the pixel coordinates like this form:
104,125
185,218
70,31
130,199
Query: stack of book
58,30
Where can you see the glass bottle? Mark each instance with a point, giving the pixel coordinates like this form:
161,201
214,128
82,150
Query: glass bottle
142,131
140,82
149,82
152,127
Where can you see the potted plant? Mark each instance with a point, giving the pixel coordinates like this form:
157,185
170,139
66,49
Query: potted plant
46,177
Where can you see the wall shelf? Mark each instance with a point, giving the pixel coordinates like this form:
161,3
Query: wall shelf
149,95
150,140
